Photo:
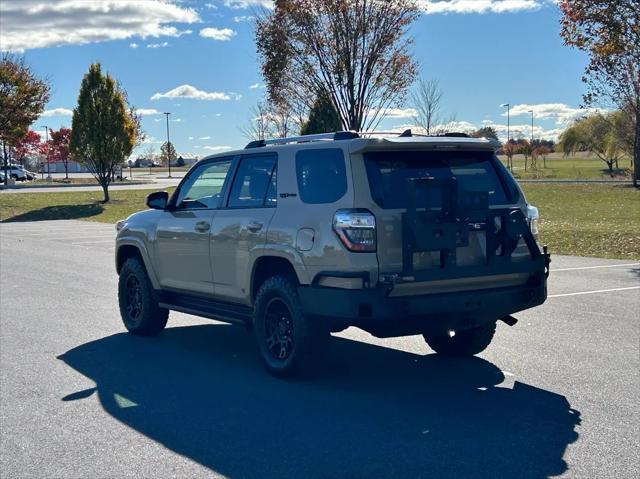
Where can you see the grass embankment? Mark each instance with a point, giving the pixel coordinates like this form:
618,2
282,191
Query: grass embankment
578,167
586,220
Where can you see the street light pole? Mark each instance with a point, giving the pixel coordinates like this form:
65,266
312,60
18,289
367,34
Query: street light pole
168,143
46,132
531,111
508,126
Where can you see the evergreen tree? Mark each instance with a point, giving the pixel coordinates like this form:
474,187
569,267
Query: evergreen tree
323,117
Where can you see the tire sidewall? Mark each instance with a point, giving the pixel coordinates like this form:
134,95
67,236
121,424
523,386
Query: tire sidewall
152,319
269,291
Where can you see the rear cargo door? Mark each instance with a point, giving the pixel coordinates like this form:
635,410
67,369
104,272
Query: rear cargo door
389,174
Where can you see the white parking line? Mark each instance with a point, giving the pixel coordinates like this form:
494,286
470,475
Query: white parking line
593,292
112,240
596,267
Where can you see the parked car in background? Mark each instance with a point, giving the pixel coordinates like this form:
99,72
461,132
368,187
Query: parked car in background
19,173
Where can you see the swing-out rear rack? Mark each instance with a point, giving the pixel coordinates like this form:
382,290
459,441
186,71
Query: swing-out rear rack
447,228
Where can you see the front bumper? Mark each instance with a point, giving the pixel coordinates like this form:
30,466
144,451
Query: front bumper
373,310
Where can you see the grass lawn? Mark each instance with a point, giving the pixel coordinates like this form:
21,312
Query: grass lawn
586,220
83,205
578,167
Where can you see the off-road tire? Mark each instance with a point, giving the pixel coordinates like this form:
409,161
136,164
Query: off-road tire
278,297
138,301
464,343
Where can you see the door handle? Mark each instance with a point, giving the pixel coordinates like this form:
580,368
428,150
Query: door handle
202,226
254,226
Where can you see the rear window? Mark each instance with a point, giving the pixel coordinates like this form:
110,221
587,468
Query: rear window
388,173
321,175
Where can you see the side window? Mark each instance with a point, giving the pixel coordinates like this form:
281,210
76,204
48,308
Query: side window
254,185
203,188
321,175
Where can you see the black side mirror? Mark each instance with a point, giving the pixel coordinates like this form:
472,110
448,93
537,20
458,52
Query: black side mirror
158,200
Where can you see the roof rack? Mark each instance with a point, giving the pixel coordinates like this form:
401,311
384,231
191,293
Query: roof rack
342,135
338,135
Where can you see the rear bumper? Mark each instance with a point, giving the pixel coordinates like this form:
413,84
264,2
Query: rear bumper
373,310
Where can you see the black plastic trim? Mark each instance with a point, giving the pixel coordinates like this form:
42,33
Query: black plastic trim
206,307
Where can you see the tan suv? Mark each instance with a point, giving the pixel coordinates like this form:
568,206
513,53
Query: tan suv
300,237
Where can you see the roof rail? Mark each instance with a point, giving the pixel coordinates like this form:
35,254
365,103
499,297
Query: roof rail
338,135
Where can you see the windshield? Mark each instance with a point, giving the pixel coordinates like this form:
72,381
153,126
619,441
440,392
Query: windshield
389,172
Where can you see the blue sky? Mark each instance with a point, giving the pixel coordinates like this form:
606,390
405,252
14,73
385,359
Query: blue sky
197,60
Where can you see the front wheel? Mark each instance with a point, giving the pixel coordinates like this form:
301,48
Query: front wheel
467,342
139,308
290,343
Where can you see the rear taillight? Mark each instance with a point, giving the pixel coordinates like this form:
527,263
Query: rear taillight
356,229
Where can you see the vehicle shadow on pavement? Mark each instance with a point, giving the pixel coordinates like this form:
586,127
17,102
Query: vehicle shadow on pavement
377,412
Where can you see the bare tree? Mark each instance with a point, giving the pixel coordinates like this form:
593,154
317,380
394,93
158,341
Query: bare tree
259,125
356,50
427,102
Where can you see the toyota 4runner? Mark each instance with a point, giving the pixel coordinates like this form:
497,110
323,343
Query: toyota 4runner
299,237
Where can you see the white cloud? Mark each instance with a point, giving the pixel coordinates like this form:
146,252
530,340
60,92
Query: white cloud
211,6
478,6
220,34
248,3
398,112
27,24
189,91
148,111
158,45
217,148
255,86
133,45
204,138
243,18
515,130
176,120
563,114
57,112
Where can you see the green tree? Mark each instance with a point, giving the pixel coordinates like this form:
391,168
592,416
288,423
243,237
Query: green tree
595,134
355,50
22,100
168,153
323,117
104,128
609,31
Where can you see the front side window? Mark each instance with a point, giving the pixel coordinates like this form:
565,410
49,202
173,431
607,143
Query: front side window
254,184
203,188
321,173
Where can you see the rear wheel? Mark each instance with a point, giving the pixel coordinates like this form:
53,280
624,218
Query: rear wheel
138,301
290,343
461,343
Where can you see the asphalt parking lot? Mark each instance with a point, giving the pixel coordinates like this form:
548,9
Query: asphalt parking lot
555,395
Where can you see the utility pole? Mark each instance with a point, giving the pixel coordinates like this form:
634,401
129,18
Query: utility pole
531,111
168,143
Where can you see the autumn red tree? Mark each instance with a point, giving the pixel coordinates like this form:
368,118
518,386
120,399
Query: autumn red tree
27,147
59,147
609,31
